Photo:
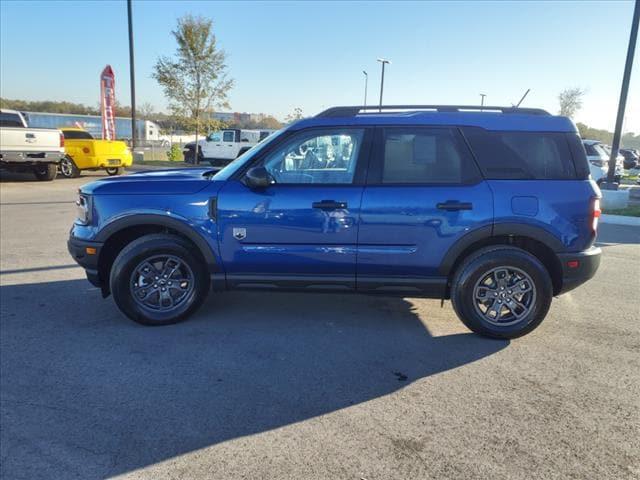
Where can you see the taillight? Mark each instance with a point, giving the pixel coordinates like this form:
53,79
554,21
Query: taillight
596,214
61,140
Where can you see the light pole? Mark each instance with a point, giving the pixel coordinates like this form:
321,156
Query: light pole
366,80
624,90
482,95
383,62
133,79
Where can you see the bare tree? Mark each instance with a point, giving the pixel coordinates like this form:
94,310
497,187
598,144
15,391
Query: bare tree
194,80
570,100
146,111
294,116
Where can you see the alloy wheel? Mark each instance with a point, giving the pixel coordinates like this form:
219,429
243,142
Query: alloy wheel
504,296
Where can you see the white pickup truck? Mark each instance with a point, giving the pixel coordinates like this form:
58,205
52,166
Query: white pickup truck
221,147
37,150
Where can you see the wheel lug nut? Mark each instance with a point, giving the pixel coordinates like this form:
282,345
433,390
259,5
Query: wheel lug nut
164,276
155,286
169,283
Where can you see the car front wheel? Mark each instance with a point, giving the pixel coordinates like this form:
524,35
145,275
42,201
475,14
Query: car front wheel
114,171
501,292
157,280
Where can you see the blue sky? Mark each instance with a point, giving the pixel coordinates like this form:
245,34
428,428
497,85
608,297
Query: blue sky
311,55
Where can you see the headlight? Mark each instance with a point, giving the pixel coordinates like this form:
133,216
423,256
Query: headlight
84,209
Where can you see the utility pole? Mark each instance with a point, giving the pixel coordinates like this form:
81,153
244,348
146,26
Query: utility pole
132,79
383,62
366,80
624,90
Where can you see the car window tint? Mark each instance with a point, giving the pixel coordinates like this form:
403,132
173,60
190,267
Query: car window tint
521,155
421,156
76,135
215,137
10,120
228,136
327,157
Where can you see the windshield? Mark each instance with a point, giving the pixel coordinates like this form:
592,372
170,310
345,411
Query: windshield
237,164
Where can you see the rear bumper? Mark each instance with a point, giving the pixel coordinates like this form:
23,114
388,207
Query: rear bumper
89,261
578,267
29,158
104,161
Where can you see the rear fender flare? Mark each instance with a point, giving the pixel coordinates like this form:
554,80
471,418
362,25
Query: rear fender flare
484,234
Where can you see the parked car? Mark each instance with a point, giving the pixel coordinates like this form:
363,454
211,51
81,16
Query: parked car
631,158
24,149
83,152
598,155
493,209
221,147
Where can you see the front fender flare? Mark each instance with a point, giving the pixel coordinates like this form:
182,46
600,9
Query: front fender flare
179,226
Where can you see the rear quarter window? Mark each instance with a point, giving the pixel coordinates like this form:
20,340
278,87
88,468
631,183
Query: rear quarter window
522,155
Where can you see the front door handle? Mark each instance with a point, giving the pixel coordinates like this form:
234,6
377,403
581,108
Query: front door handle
329,205
453,205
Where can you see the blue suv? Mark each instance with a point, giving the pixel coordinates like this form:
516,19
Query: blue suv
490,207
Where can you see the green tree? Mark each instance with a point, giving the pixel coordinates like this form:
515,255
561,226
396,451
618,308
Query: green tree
194,80
570,100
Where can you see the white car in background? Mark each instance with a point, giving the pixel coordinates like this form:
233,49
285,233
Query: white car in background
221,147
598,156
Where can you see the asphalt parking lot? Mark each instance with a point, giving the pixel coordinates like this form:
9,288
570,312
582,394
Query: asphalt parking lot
304,386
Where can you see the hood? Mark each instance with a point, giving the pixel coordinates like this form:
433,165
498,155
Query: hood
181,181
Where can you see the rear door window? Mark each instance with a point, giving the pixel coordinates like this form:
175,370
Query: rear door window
420,155
521,155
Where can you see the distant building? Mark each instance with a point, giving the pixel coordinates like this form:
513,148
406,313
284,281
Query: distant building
145,129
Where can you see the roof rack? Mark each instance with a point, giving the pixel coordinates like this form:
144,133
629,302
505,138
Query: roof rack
352,111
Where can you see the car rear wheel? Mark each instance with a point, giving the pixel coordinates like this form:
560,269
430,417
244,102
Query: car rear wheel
46,172
157,280
68,168
114,171
501,292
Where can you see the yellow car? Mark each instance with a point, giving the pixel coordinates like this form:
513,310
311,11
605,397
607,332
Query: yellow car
83,152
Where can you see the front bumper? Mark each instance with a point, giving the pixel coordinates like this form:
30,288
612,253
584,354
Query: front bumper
86,255
578,267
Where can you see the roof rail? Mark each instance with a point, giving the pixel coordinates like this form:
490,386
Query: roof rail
352,111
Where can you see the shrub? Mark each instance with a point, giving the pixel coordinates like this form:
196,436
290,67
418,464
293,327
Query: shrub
175,153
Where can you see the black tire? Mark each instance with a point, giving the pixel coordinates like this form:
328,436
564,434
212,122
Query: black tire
149,247
68,168
475,267
113,171
46,172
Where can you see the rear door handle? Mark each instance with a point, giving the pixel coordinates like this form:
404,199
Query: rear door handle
329,205
452,205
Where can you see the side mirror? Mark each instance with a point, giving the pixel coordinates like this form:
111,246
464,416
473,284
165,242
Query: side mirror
257,177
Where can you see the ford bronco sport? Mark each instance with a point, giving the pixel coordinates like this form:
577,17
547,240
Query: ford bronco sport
492,208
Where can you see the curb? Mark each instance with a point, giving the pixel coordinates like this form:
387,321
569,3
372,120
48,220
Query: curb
620,220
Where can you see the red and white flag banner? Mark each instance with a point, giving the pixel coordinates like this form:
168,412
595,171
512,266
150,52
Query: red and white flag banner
108,103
